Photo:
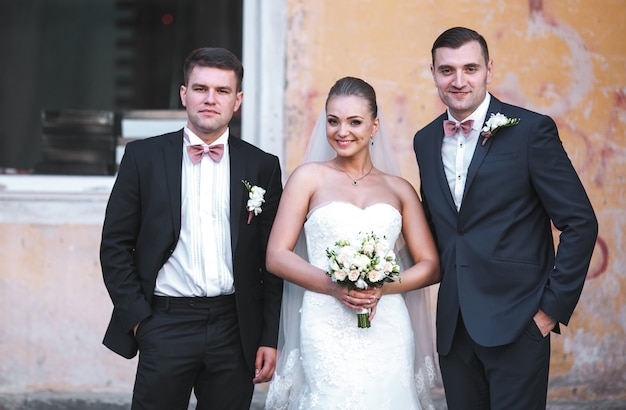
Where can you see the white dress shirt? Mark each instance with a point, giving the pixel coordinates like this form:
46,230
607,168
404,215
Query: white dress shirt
457,151
201,264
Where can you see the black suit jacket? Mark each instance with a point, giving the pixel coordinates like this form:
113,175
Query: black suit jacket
497,253
142,226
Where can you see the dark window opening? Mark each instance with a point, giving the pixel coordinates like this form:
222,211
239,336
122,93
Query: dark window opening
63,57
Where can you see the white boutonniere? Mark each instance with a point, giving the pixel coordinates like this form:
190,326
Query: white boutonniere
255,199
494,123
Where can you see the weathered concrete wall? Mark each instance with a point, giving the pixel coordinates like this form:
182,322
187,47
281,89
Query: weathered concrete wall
53,304
564,58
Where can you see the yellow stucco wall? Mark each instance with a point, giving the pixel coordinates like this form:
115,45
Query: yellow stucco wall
565,58
54,307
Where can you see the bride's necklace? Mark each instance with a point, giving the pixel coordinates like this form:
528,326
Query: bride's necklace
354,180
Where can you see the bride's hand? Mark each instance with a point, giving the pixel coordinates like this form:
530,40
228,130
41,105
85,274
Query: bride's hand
358,299
375,294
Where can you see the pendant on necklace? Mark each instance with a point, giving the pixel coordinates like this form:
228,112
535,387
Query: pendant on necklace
354,181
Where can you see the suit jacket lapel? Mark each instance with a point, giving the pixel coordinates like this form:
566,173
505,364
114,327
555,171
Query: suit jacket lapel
439,171
481,150
238,193
173,162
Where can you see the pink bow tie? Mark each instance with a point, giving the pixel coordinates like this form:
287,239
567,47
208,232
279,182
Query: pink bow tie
450,127
197,151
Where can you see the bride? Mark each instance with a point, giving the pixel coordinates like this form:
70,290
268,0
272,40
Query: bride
325,360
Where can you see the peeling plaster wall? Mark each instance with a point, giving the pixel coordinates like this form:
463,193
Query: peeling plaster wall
54,307
564,58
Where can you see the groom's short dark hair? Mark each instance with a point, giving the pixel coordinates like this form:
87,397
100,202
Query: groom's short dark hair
456,37
216,57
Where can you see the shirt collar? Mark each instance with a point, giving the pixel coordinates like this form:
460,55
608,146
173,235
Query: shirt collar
478,115
193,139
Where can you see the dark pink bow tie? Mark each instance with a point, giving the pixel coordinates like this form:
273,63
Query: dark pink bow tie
450,127
197,151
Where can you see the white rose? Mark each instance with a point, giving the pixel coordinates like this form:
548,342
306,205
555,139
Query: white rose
388,267
361,261
500,120
381,248
375,275
353,275
345,255
255,198
257,192
369,247
495,121
339,275
255,206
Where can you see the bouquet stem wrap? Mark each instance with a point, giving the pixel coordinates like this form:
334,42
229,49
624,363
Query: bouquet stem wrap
363,318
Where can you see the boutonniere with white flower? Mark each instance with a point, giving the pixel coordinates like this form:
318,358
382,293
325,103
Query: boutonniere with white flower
255,199
494,123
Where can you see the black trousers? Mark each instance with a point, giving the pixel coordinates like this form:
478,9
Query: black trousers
509,377
191,343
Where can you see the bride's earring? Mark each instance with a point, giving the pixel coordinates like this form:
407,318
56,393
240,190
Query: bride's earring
372,141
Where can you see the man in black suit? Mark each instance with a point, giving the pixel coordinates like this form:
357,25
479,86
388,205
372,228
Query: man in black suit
183,252
491,187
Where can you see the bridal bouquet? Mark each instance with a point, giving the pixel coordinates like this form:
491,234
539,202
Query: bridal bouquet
362,262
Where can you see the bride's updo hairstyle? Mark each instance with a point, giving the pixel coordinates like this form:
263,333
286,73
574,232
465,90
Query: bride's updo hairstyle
355,86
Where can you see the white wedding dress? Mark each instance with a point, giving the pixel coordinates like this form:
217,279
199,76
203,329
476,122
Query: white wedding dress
343,366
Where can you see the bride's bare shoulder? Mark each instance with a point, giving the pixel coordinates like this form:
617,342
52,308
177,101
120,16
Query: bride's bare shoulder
400,186
307,177
310,170
395,180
